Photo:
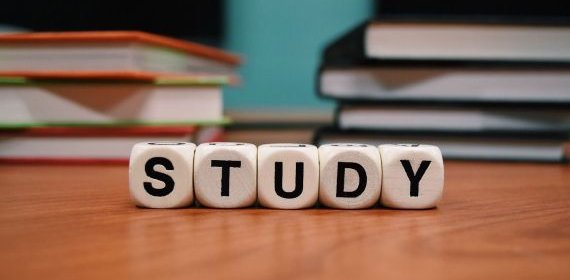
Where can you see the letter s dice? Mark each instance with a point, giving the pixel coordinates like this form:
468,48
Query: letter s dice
161,174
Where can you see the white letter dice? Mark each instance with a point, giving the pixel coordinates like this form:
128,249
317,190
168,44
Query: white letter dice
225,174
412,176
350,175
160,174
288,175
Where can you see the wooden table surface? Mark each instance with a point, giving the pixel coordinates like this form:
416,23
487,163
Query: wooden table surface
496,221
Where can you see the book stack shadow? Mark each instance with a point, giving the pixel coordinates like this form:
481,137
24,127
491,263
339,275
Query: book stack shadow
85,97
480,89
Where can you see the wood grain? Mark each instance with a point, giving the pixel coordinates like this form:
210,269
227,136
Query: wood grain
496,221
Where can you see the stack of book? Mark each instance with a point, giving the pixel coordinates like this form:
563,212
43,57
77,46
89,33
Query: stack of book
89,96
488,88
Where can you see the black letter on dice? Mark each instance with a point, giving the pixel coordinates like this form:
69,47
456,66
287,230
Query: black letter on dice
226,165
150,172
362,179
298,180
415,178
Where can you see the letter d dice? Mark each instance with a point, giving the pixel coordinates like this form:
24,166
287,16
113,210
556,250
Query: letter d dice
350,176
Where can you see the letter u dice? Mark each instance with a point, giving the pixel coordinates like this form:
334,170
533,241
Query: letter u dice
288,176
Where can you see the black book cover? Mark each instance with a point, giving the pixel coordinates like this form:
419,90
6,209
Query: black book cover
450,64
514,10
527,137
472,105
453,103
348,50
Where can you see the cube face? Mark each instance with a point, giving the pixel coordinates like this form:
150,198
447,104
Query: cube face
225,174
160,174
288,175
350,176
412,176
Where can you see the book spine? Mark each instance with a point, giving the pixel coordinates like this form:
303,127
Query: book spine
65,161
349,48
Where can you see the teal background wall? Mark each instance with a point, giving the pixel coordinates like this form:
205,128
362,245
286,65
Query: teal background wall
281,42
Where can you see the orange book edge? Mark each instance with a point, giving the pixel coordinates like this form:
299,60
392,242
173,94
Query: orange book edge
123,36
65,161
142,76
99,131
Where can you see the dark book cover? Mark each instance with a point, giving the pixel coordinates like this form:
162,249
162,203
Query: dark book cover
348,50
527,138
512,10
528,135
502,65
542,111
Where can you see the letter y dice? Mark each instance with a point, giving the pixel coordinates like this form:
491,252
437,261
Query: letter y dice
412,176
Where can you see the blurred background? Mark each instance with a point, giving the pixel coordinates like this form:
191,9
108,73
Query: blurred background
280,41
294,57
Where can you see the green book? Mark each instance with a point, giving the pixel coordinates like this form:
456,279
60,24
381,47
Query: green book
164,101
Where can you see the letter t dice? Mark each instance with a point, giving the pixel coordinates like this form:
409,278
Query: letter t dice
225,174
